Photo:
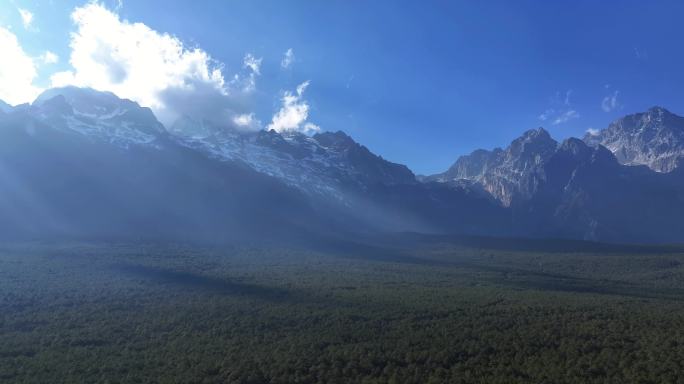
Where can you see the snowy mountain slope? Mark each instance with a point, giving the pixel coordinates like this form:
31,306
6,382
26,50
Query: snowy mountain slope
4,107
98,115
326,163
85,163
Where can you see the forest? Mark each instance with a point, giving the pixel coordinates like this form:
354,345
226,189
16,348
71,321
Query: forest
402,310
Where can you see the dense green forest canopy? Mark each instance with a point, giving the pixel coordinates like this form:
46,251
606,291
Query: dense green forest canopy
417,311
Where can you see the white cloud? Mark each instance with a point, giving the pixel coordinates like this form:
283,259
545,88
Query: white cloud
247,121
560,110
49,57
26,17
310,128
566,116
293,114
17,71
155,69
252,63
288,59
546,114
593,131
610,102
567,97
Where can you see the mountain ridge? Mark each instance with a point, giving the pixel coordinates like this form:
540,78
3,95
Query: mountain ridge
207,181
284,182
576,188
654,138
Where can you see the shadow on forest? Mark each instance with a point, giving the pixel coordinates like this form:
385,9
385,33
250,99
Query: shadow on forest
205,283
518,278
357,251
413,240
576,285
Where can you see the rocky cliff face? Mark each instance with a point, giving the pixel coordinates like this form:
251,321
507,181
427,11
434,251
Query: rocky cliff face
324,164
507,174
654,138
574,189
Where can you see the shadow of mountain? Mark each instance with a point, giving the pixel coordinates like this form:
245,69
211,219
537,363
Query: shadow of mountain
516,277
199,282
550,245
579,285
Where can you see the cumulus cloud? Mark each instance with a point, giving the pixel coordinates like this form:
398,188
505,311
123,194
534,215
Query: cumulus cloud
155,69
610,102
17,71
288,59
49,57
560,110
294,113
26,17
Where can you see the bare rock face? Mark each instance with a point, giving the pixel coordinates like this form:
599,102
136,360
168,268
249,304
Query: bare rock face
507,174
323,164
654,138
581,190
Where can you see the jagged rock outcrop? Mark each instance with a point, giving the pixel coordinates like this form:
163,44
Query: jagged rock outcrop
654,138
507,174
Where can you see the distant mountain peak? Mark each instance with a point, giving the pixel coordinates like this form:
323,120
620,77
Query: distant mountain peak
337,139
77,95
654,138
572,144
659,110
533,144
504,173
196,182
98,115
539,132
326,163
4,107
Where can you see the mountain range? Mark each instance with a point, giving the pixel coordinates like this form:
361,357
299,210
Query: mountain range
80,163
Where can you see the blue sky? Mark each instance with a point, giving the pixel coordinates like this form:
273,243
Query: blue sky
419,83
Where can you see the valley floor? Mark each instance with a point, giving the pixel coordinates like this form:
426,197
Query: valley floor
425,312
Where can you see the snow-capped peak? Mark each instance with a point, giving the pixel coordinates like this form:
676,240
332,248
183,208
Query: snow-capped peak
100,115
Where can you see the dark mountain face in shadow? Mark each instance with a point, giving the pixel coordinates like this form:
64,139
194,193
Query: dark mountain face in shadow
588,195
62,184
82,164
581,191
